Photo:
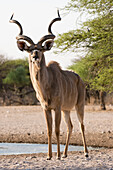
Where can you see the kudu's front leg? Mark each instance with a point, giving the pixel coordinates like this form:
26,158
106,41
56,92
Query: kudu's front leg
57,129
48,117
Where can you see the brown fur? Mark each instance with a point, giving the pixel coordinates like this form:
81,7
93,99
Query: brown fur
58,90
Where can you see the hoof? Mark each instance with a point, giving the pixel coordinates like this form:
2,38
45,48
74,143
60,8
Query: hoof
64,156
86,155
58,158
49,158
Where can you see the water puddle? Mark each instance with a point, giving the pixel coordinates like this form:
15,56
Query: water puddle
25,148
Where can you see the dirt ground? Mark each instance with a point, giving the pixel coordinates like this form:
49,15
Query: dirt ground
27,124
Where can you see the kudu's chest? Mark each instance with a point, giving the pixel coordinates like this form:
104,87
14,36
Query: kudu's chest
41,89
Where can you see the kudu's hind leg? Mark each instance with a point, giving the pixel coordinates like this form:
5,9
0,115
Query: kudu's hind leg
80,114
48,117
67,119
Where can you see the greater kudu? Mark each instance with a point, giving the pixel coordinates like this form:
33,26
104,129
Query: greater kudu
55,88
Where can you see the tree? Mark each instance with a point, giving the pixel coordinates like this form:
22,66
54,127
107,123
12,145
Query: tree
14,80
17,77
90,6
95,37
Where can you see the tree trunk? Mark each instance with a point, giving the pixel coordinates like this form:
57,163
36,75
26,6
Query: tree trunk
102,100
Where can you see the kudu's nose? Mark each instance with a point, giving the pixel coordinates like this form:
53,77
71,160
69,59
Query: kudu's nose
35,54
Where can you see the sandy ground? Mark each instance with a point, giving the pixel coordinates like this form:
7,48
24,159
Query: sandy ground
27,124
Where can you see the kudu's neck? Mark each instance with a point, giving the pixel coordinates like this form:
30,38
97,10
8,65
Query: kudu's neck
42,72
40,79
38,71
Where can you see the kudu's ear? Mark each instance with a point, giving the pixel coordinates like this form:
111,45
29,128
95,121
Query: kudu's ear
22,46
48,45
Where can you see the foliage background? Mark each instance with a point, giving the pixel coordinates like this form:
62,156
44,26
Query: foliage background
95,38
15,84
